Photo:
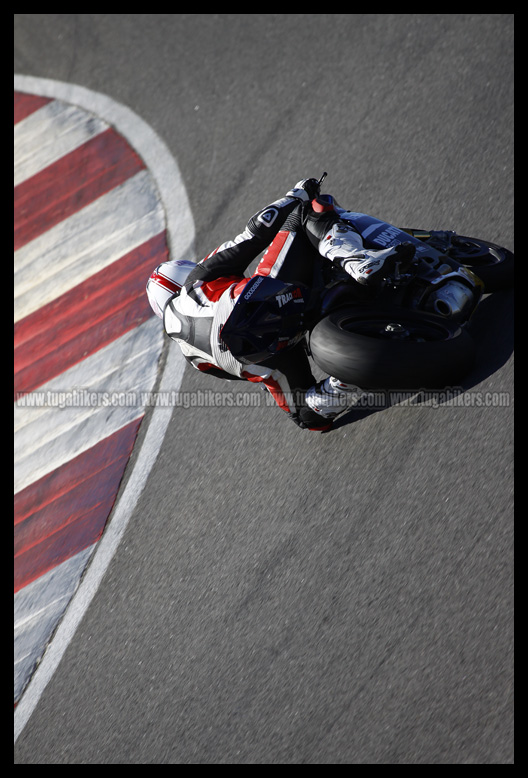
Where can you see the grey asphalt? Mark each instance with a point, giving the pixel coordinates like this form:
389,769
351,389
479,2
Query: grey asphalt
281,596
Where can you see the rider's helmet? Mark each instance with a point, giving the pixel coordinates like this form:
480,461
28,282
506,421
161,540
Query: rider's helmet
269,316
167,281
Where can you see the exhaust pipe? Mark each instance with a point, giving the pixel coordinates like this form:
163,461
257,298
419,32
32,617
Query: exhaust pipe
451,299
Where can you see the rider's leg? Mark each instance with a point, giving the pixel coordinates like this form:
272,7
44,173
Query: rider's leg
288,377
291,257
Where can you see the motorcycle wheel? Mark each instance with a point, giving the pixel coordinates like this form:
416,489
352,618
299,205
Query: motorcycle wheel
491,263
391,348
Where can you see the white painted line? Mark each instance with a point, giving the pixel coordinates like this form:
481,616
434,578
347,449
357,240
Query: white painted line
105,550
37,610
180,229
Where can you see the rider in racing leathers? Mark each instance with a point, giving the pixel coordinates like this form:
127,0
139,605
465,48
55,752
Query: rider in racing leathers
195,301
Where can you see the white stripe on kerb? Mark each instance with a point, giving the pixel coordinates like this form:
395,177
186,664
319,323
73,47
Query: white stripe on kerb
48,134
180,233
118,375
38,608
85,243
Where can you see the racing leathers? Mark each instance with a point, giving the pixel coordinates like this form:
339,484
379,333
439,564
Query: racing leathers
287,231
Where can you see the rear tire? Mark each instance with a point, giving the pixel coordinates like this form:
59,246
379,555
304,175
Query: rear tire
391,348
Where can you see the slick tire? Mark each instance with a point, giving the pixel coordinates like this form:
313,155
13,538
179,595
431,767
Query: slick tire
392,349
493,264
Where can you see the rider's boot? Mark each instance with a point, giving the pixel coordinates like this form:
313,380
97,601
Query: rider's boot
330,397
338,241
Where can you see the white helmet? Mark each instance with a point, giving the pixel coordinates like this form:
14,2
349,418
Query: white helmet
166,281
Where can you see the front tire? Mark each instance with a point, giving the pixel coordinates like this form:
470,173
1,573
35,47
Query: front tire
391,348
493,264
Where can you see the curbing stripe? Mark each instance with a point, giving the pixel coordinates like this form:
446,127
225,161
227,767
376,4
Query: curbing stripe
58,531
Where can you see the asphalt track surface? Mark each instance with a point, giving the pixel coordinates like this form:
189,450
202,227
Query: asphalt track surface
281,596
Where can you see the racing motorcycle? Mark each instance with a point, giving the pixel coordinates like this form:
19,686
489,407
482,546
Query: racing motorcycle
414,333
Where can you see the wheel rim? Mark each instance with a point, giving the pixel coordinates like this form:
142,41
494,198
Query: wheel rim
469,252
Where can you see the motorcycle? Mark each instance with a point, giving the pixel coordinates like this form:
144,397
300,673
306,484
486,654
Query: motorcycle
413,333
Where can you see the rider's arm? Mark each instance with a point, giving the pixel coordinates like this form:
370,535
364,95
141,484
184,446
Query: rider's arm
233,257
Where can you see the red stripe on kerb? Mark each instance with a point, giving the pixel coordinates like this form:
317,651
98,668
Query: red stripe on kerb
70,184
66,511
27,104
87,318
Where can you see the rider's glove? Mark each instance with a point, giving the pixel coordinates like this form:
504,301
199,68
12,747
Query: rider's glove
305,190
404,254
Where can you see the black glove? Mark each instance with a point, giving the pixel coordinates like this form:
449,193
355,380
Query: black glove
405,253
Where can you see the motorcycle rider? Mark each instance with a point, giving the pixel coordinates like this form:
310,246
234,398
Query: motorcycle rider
195,300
